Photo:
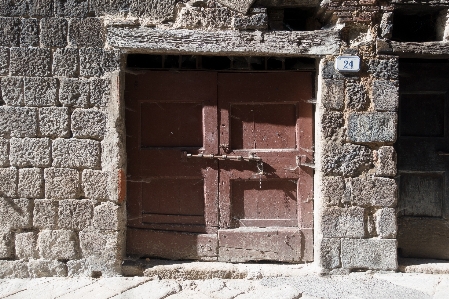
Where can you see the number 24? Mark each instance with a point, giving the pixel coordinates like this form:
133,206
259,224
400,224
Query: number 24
348,64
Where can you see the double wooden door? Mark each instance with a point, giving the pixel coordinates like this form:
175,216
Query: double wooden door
214,165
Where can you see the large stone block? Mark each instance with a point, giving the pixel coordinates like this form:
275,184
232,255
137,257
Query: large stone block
206,18
255,21
332,190
57,244
95,62
12,90
356,96
241,6
76,153
54,32
72,8
384,68
75,214
32,62
18,121
88,123
333,94
372,254
45,214
61,183
29,36
332,123
109,216
65,62
25,244
385,95
4,152
96,184
31,183
6,244
41,91
347,160
30,152
33,8
379,192
74,93
87,32
372,127
330,253
10,32
385,161
156,10
343,222
4,61
386,225
328,71
40,8
16,213
14,269
97,243
109,7
8,182
100,92
54,122
45,268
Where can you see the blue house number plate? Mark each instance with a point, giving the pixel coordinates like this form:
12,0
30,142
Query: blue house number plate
347,63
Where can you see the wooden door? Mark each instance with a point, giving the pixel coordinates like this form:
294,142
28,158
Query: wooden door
423,160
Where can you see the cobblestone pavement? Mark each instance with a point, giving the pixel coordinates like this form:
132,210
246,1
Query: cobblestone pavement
355,285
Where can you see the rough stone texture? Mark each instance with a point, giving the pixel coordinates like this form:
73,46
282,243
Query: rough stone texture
12,91
30,62
29,35
384,68
71,8
385,161
330,253
8,182
54,32
75,214
332,124
25,245
18,121
328,70
239,5
74,93
88,123
356,96
96,184
31,183
380,192
54,122
385,95
30,152
372,127
4,152
88,32
46,268
108,216
4,61
369,254
386,25
343,222
386,226
10,32
347,160
257,21
65,62
32,8
61,183
332,94
15,213
95,62
156,10
6,244
45,214
332,190
100,92
76,153
14,269
41,91
57,244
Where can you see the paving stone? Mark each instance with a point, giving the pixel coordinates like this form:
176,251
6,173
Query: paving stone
18,121
61,183
41,91
6,244
95,62
105,288
25,246
57,244
16,213
369,254
4,61
76,153
108,216
372,127
12,90
29,35
157,10
356,97
8,182
65,62
332,94
96,184
46,268
386,225
188,294
282,291
151,290
54,32
31,183
10,32
33,62
87,32
347,160
54,122
45,214
384,68
30,152
385,161
385,95
343,222
379,192
4,152
72,8
74,93
88,123
329,253
332,190
75,214
100,92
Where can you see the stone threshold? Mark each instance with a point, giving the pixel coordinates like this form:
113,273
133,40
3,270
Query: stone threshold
425,266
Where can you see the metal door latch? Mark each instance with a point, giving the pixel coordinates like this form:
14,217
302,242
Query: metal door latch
251,157
303,160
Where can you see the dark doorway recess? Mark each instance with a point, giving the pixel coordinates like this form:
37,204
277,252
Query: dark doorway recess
417,24
423,159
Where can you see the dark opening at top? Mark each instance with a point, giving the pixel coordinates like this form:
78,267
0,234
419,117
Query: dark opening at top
416,25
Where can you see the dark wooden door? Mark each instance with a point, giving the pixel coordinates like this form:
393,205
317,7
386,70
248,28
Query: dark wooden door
423,160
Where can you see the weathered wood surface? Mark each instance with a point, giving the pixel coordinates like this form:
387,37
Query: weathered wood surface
149,40
414,49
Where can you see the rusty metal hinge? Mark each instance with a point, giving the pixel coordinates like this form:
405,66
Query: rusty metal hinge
251,157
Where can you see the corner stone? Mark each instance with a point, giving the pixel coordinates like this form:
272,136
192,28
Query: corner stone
371,254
